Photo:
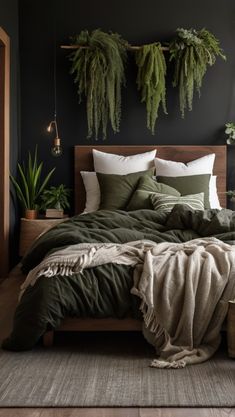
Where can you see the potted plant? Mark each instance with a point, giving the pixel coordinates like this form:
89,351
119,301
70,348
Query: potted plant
30,185
55,200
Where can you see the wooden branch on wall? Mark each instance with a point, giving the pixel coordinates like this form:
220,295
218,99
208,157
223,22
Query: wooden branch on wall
164,48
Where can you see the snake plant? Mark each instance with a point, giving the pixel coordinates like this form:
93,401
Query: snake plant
30,184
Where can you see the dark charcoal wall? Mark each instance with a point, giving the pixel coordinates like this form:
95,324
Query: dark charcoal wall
9,22
139,22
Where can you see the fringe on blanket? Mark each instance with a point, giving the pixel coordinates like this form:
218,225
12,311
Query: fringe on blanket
151,323
68,267
164,364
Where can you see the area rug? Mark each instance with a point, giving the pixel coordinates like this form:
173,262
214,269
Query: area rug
110,370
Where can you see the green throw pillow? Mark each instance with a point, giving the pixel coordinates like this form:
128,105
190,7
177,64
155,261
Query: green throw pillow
167,202
192,184
146,186
116,190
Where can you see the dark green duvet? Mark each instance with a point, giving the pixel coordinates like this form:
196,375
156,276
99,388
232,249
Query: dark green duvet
103,291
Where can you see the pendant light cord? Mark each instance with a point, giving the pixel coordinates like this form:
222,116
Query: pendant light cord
56,149
54,71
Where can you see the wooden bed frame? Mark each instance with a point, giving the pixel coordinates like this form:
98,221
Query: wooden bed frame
84,162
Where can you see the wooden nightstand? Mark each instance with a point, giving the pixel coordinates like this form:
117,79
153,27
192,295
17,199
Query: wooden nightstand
231,329
32,229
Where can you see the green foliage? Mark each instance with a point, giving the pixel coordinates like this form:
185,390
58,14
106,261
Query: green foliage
231,195
151,80
55,197
193,51
230,131
99,75
30,186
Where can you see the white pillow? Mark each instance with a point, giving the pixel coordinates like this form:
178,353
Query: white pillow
108,163
199,166
92,188
213,196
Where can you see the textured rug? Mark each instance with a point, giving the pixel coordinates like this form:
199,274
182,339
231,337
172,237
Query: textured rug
110,370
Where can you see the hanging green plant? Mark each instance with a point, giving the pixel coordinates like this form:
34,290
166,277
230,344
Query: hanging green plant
151,80
98,67
193,51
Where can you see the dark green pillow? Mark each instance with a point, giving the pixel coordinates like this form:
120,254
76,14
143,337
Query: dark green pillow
192,184
146,186
116,190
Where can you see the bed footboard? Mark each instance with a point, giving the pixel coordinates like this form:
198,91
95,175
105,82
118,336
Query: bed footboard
87,325
74,324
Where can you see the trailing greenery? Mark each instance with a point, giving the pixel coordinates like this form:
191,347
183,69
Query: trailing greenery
55,197
193,51
99,75
30,186
151,80
230,131
98,69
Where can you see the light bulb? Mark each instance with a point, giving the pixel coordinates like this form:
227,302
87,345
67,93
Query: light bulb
56,149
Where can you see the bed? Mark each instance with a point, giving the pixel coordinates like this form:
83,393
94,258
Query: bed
83,162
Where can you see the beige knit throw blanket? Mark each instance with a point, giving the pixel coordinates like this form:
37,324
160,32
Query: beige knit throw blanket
184,288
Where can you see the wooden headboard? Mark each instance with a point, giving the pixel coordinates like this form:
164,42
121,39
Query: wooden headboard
84,162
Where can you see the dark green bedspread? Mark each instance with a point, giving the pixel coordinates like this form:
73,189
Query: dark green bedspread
103,291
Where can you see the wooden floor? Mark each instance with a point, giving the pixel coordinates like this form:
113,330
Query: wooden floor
116,412
8,299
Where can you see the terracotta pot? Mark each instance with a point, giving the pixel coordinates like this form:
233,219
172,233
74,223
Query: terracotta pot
31,214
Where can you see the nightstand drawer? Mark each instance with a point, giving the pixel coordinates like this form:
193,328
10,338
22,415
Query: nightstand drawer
32,229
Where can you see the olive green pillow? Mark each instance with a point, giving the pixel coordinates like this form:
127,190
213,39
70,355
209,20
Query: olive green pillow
191,184
146,186
116,190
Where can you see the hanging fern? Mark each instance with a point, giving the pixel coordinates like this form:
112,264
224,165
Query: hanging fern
151,80
193,51
99,75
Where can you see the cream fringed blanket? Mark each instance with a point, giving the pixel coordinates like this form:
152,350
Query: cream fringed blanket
184,287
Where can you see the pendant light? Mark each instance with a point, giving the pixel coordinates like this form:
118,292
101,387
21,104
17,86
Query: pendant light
56,149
